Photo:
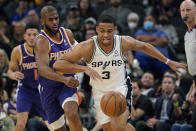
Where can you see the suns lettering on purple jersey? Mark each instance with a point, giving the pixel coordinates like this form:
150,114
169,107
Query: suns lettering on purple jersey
28,67
56,49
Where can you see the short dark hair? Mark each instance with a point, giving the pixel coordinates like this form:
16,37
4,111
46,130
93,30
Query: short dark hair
167,76
47,9
106,19
31,26
139,83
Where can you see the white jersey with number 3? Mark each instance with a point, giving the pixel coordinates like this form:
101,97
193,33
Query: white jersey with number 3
110,66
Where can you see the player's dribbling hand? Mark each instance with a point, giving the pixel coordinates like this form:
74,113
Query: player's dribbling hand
175,65
71,82
18,76
92,74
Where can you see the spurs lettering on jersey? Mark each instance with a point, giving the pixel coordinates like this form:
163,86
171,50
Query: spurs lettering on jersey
29,65
56,55
110,66
104,64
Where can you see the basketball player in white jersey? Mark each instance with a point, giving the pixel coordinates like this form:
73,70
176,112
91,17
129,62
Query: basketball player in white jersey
188,11
104,55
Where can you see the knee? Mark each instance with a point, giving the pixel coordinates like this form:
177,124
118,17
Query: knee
118,127
71,113
21,123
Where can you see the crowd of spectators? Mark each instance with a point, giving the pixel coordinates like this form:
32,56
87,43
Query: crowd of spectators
160,98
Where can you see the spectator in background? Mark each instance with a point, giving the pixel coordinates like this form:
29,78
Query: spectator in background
21,11
184,113
164,109
4,32
86,10
73,22
142,106
89,23
165,7
4,37
4,62
133,24
18,34
3,12
118,12
6,123
99,6
165,25
159,40
89,33
32,16
178,90
147,82
10,106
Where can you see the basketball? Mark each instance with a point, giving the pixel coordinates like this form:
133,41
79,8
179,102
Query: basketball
113,104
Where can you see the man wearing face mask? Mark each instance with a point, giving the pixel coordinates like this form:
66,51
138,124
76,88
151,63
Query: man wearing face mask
132,21
159,40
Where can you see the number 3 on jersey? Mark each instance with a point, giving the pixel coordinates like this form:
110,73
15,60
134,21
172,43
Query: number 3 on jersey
106,75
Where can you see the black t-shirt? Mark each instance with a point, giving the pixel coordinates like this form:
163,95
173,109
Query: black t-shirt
145,104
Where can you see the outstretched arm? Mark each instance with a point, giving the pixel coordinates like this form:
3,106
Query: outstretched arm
130,43
67,62
42,59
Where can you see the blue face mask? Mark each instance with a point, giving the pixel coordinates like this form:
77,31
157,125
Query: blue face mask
148,25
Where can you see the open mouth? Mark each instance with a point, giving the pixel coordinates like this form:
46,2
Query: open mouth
55,28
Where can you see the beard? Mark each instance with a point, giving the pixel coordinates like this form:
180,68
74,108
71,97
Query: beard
49,30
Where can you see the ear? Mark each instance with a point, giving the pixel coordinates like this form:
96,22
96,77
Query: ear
97,29
42,21
115,28
24,36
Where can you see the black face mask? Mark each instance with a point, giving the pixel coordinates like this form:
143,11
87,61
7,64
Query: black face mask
84,104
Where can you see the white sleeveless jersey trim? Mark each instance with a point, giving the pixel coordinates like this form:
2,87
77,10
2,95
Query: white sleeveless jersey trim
110,66
94,39
107,54
121,52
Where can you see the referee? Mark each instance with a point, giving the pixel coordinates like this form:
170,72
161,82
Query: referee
188,15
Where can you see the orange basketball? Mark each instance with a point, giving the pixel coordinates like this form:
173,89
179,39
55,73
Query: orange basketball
113,104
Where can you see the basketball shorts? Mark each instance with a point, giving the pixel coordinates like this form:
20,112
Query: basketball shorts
53,100
97,95
28,99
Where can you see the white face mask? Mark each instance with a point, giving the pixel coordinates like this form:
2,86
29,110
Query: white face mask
132,25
